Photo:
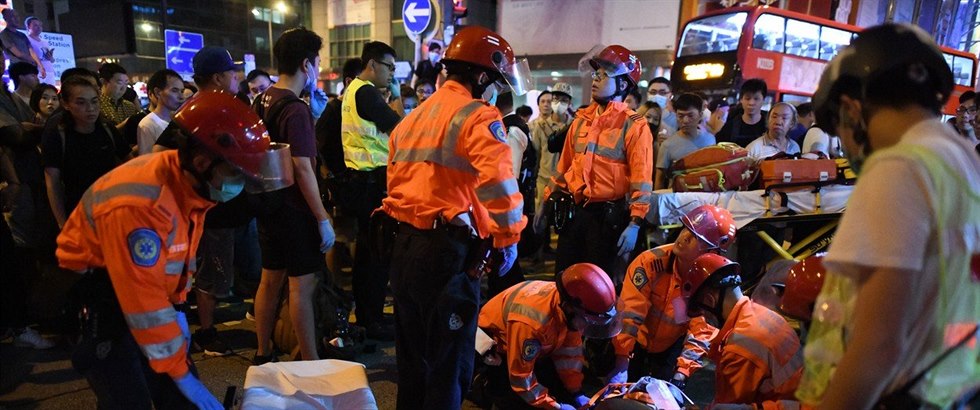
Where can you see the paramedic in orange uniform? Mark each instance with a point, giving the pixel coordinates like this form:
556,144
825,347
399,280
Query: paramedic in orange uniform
606,165
134,236
450,183
537,328
658,338
758,357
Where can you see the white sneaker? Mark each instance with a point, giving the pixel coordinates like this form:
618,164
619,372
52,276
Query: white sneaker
31,338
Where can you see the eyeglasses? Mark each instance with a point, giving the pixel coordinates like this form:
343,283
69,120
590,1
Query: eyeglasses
964,110
389,65
599,76
659,92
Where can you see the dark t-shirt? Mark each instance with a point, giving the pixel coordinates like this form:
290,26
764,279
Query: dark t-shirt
371,106
427,72
746,132
82,158
294,126
328,136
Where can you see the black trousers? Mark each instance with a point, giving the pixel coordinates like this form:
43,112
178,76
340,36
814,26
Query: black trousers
591,237
659,365
504,397
361,196
436,310
112,361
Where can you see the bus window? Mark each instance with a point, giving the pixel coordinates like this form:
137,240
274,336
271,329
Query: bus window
802,38
832,41
794,99
712,34
769,33
962,71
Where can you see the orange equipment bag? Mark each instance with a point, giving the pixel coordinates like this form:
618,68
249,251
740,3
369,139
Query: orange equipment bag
716,168
785,171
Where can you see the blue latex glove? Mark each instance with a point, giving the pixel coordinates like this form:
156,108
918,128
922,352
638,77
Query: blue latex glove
318,102
194,390
326,235
627,240
184,328
395,88
509,255
620,372
568,407
581,400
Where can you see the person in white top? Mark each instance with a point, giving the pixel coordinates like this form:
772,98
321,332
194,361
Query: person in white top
43,50
900,284
782,118
166,89
818,141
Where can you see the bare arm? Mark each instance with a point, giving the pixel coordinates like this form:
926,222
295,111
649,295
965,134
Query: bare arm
659,180
37,62
877,343
306,180
56,194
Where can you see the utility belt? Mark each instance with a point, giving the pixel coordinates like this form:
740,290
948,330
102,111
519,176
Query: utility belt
480,254
562,209
375,176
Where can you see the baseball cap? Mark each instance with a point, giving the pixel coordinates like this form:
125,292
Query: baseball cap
211,59
562,88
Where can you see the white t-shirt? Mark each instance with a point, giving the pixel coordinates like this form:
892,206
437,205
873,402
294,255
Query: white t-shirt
760,148
889,223
45,53
147,132
816,140
517,141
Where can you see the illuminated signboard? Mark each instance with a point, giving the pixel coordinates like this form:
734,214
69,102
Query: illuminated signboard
695,72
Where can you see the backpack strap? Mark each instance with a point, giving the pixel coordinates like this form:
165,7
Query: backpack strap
271,117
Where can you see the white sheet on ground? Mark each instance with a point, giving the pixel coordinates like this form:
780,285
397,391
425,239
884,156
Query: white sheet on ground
319,385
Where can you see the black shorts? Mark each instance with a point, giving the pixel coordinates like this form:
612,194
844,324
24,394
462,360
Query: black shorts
215,262
290,240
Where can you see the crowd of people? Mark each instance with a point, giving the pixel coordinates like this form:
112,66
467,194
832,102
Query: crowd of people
233,187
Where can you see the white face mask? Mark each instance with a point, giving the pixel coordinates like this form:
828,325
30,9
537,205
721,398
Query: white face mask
559,107
310,79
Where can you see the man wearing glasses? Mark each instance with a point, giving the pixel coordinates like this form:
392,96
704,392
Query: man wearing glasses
366,120
966,114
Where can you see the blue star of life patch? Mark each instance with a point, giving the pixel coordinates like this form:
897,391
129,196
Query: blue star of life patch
144,247
530,349
639,277
497,129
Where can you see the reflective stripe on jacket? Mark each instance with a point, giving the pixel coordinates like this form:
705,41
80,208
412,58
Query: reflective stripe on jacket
365,148
649,295
527,323
758,358
607,157
446,160
142,222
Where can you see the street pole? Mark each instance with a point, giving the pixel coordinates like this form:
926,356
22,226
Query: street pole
271,62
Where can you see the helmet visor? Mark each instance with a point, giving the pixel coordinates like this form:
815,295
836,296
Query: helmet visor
517,75
600,325
266,171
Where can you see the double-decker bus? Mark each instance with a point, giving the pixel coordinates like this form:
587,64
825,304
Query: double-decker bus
789,50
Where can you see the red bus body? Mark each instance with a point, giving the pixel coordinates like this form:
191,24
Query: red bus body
789,50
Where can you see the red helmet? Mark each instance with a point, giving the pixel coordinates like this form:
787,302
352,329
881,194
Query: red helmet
712,225
229,129
587,289
802,287
482,47
721,271
618,60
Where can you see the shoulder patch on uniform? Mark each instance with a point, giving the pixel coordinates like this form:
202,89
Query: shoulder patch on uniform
637,117
640,277
530,349
497,129
144,246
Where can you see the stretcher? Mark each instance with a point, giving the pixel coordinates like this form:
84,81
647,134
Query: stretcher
781,222
319,385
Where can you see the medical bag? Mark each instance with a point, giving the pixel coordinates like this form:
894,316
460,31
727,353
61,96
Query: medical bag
716,168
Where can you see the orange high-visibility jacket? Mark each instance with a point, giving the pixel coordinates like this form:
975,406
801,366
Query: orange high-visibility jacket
526,323
650,317
142,222
758,357
607,157
448,157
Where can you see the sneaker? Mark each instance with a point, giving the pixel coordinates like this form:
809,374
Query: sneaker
379,331
31,338
250,313
260,360
207,340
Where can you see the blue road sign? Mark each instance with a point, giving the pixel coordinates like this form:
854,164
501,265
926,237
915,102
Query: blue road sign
180,48
416,14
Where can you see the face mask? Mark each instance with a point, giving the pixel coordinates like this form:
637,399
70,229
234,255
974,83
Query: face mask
434,57
856,159
490,94
310,80
661,100
230,188
408,111
559,107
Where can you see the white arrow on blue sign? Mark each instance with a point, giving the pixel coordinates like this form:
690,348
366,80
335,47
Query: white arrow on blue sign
416,15
180,47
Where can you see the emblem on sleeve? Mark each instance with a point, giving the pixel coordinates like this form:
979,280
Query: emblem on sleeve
530,349
639,277
497,129
144,247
